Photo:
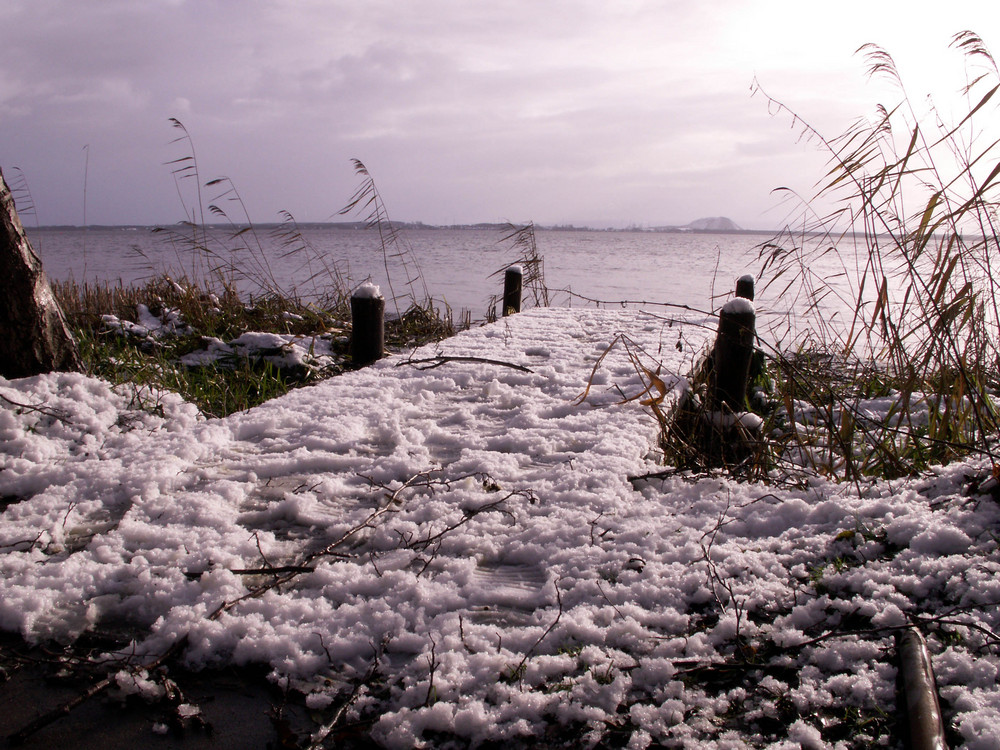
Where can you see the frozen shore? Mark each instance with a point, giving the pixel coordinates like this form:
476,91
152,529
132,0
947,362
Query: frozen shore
464,556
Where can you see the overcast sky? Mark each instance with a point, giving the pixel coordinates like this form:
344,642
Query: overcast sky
559,111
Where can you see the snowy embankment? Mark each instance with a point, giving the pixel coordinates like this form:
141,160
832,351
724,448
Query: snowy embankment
462,554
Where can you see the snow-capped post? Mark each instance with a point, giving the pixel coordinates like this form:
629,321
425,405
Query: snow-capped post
923,709
744,287
34,336
733,352
367,324
512,281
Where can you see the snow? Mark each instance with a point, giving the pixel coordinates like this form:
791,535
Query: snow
470,532
726,420
287,352
367,290
149,326
284,351
739,306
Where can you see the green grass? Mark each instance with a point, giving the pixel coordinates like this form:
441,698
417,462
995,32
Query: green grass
151,365
216,390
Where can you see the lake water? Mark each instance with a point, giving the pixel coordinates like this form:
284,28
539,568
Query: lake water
455,263
635,268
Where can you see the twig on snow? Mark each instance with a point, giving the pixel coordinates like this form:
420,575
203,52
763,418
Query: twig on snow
518,671
62,417
613,606
432,668
432,362
319,736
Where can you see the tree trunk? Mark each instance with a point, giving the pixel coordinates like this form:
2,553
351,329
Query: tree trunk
34,337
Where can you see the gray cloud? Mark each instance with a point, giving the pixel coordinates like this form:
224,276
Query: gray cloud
560,111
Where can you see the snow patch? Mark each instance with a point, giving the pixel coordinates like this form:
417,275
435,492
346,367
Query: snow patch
367,290
739,306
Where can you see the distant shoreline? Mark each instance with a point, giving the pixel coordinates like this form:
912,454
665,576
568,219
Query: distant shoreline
360,225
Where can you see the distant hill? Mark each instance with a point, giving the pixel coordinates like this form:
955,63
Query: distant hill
714,224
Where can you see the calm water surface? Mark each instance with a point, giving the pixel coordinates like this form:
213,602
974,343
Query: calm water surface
637,268
455,264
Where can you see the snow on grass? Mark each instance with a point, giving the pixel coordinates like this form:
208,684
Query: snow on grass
283,350
289,352
464,540
168,323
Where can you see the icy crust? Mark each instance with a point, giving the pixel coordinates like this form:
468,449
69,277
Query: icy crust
489,557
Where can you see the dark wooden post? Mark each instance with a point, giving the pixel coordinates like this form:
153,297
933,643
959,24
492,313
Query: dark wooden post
34,337
512,290
920,696
744,287
734,348
367,325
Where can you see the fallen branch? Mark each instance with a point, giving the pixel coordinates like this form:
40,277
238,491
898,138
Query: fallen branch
518,671
30,542
613,606
467,515
442,359
55,714
392,499
62,417
319,736
18,737
273,569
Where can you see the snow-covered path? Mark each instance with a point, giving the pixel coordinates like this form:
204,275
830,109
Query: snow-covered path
464,540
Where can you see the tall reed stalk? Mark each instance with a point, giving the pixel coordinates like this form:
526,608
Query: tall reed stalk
394,247
521,241
231,254
914,227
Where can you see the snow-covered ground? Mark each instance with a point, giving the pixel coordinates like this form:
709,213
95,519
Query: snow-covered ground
460,552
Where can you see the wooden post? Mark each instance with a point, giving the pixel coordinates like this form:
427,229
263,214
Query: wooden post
744,287
733,352
34,337
367,325
923,709
512,280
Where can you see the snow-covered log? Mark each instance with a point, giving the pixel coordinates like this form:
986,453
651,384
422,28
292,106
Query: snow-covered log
34,337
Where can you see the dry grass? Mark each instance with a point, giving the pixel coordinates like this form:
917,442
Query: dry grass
910,378
914,230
